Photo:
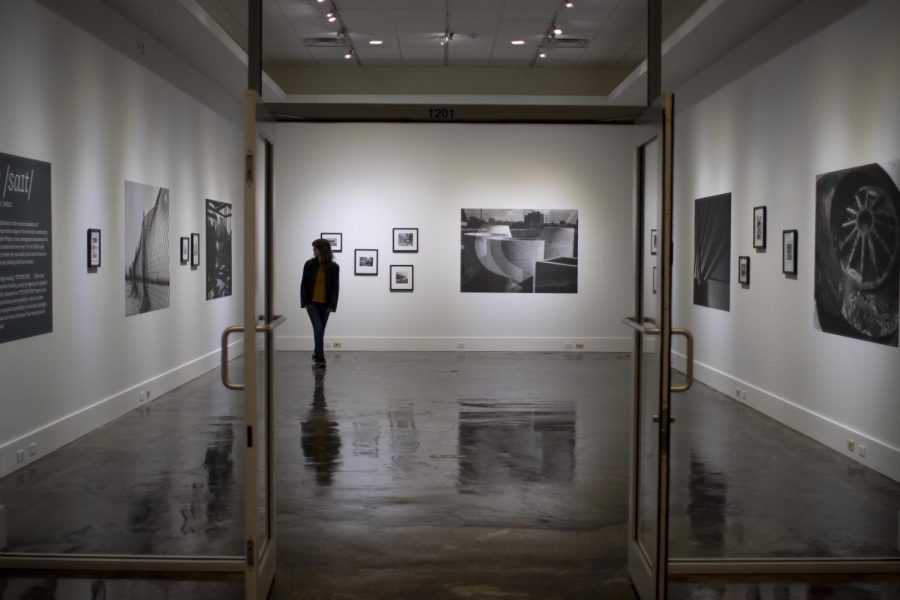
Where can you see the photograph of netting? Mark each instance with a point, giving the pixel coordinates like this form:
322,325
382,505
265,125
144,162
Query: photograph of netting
712,251
146,248
218,249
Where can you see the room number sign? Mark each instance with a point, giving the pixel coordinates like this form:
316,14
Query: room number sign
440,113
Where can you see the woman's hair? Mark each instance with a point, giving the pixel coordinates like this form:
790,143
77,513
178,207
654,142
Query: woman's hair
324,249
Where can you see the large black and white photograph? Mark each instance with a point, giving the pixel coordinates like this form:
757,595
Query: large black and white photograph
519,250
857,253
26,252
712,252
147,280
218,249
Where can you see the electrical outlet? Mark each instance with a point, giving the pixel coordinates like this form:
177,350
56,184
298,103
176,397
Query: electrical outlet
579,346
862,451
744,395
32,449
737,393
851,446
328,345
147,394
460,346
20,455
569,347
337,345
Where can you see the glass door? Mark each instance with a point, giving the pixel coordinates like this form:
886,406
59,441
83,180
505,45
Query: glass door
258,384
651,360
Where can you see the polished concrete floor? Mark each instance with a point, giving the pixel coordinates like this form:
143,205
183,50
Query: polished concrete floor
445,475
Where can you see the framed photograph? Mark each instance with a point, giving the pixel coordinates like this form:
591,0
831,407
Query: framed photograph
335,239
401,278
654,279
789,252
185,250
744,270
759,227
195,249
93,248
365,262
654,241
406,239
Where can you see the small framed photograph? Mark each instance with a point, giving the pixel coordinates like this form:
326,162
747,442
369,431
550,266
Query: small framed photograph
185,250
654,279
759,227
93,248
365,262
401,278
654,241
789,252
195,249
406,239
744,270
335,239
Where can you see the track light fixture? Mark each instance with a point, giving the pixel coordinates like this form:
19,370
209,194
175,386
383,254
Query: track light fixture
446,38
349,54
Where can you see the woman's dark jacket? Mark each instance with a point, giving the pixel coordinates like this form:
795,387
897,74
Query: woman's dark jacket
308,282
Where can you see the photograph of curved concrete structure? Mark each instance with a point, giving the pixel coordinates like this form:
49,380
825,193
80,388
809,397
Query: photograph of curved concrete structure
519,250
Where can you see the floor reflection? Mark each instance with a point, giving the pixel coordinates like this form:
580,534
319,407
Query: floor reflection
320,436
503,442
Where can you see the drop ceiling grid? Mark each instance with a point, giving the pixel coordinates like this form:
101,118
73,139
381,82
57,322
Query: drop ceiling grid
411,30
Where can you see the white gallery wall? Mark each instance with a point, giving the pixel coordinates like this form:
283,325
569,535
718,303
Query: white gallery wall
100,119
362,180
827,103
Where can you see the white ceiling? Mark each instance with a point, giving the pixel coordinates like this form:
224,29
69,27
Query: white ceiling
411,30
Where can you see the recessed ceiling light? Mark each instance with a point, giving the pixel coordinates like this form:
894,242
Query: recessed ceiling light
376,42
542,55
557,31
570,4
518,42
349,55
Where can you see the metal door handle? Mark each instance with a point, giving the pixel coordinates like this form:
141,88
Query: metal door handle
267,329
689,338
225,334
655,418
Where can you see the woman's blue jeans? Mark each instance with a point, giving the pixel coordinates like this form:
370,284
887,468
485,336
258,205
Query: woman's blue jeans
318,316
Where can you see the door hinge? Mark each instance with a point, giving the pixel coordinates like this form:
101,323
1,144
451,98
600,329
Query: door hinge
250,553
249,436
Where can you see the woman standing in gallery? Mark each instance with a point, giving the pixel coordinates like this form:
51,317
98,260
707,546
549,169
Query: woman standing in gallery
319,286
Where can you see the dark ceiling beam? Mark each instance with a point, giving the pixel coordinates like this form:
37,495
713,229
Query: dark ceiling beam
654,50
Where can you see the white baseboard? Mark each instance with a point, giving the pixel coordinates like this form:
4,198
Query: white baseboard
69,428
880,456
458,344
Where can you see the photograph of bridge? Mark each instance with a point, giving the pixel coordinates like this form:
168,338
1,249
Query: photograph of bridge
146,248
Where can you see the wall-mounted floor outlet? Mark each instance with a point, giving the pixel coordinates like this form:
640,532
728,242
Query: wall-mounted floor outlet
147,395
862,451
851,446
141,396
32,449
2,527
569,347
20,455
337,345
579,346
460,346
744,395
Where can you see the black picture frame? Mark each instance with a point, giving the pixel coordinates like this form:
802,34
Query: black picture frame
402,278
789,251
759,227
744,270
195,249
406,239
653,282
94,248
654,241
185,250
365,255
335,239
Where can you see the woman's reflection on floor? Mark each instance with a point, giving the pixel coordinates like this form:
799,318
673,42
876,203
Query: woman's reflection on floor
320,437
